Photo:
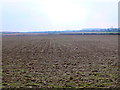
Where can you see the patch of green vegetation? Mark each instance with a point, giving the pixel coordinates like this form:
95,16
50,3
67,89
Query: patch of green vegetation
79,72
54,86
11,84
5,84
84,85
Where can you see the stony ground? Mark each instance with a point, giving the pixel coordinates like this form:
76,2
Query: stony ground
60,61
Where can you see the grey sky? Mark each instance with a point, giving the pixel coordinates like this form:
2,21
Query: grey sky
58,15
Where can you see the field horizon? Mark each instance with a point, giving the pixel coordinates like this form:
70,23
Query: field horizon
90,31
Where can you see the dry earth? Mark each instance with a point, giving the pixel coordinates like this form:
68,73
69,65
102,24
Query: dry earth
72,61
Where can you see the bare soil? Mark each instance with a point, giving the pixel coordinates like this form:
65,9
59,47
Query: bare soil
60,61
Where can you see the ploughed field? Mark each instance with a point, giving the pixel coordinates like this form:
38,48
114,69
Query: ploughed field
60,61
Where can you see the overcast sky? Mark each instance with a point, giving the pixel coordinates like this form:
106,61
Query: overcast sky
40,15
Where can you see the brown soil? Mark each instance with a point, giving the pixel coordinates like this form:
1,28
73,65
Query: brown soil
77,61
